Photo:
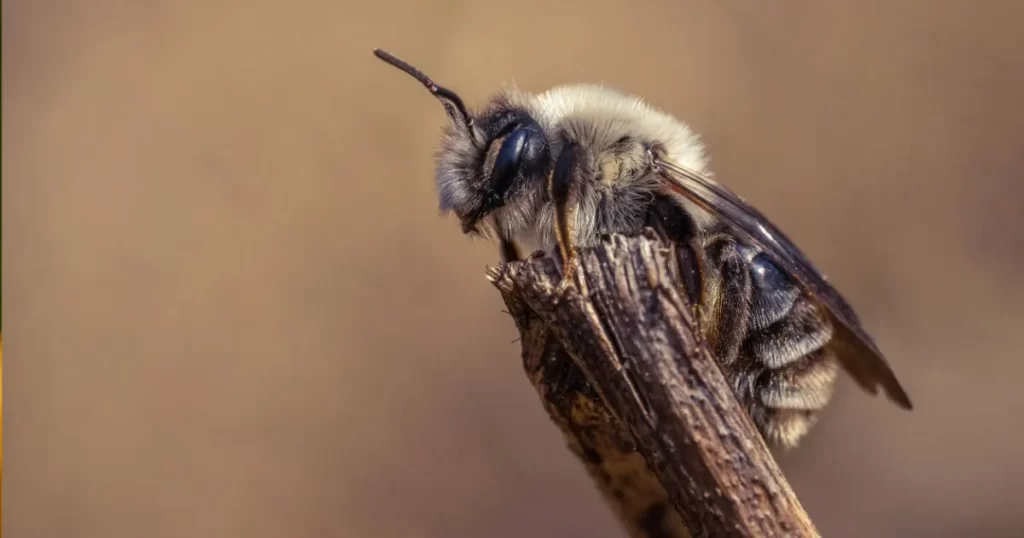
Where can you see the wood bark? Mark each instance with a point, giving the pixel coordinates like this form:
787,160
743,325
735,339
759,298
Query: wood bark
620,365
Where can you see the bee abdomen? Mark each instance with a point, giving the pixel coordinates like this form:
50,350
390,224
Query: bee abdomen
804,384
773,295
800,332
791,373
784,404
776,356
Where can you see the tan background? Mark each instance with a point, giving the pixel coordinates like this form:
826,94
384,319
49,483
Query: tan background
233,310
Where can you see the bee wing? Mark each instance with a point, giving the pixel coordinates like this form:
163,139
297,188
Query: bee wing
856,350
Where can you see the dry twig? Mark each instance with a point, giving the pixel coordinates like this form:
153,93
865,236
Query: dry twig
620,346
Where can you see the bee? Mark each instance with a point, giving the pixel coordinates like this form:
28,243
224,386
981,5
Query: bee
563,168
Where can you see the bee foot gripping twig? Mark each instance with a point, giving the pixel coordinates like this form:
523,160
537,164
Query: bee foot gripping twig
570,274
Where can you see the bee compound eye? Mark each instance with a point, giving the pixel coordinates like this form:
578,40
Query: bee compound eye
509,160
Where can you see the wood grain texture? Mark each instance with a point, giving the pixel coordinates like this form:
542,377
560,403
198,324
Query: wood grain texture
620,345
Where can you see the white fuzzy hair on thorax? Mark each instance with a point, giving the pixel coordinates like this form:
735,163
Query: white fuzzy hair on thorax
617,112
596,117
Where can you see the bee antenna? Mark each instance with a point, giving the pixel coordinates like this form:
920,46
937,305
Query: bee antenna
452,102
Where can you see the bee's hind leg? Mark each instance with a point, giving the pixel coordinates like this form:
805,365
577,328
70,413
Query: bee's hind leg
562,187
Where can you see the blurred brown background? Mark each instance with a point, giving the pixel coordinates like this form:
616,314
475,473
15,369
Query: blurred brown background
233,310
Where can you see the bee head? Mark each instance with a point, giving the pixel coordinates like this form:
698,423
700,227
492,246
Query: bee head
487,159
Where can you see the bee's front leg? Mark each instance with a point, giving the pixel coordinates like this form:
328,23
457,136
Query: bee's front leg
563,188
509,251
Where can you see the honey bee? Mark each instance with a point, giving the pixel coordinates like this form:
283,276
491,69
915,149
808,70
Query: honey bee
563,168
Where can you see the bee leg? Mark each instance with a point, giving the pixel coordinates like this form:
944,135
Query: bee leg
731,311
673,224
562,189
509,251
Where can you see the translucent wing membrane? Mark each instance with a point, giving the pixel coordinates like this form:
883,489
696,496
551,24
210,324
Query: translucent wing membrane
854,347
